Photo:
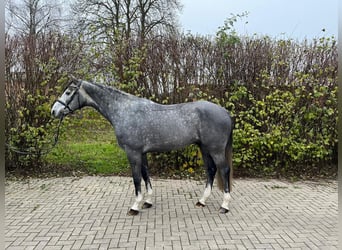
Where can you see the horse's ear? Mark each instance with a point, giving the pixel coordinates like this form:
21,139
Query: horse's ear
75,80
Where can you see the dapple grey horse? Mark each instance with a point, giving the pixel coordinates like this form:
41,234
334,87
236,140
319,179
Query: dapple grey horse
143,126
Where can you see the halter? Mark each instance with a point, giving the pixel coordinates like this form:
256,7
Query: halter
66,105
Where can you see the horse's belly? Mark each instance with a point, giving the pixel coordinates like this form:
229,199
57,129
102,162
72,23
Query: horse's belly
161,140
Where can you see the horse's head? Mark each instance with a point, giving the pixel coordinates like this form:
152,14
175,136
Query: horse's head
70,100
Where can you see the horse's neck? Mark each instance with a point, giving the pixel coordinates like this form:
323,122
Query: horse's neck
101,98
108,102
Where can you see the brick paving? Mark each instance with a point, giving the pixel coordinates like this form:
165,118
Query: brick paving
91,213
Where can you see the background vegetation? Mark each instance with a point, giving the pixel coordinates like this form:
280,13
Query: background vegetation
282,93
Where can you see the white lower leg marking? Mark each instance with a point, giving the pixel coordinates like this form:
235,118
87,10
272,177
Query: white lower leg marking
206,194
137,202
226,199
149,195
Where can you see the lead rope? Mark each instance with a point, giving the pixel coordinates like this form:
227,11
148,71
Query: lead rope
30,152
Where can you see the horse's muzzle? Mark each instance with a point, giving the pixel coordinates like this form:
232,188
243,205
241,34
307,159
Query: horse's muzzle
58,111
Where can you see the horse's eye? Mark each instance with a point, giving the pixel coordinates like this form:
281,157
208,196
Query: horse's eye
68,92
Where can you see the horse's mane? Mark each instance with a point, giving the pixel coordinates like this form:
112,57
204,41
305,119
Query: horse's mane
116,93
112,89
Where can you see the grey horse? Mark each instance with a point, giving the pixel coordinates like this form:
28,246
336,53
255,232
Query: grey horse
143,126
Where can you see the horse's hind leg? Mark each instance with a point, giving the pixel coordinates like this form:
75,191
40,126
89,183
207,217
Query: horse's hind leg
146,177
226,192
223,173
211,171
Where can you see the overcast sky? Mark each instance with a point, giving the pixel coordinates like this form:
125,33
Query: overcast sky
297,19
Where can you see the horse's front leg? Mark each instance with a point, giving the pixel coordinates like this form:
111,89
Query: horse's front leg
146,177
135,160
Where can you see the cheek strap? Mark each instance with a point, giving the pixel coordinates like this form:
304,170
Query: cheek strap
66,105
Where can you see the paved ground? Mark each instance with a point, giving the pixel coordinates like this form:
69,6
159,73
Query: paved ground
90,213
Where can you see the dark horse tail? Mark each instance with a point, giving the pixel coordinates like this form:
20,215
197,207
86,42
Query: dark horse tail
229,157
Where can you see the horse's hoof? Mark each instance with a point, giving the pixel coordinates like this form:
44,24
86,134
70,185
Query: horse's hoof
133,212
147,205
199,204
223,210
